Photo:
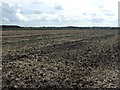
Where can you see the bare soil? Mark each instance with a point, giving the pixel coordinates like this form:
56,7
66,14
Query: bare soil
70,59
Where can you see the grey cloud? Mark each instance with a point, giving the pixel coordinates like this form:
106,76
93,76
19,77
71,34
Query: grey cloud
101,6
61,18
8,12
11,13
36,2
109,14
105,11
41,19
58,7
94,14
84,14
41,12
28,12
42,7
97,20
6,7
37,12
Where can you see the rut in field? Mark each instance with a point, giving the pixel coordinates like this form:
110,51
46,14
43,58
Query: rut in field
78,64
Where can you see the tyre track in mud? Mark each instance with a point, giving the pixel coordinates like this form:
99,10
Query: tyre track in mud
72,45
55,48
69,73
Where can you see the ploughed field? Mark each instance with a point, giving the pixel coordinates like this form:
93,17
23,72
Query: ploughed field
60,58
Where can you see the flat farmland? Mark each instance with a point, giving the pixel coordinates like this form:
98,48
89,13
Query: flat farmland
60,58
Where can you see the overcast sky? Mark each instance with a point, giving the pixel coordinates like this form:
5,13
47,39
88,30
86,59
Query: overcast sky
60,12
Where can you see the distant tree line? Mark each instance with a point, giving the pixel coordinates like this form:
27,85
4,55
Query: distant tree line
15,27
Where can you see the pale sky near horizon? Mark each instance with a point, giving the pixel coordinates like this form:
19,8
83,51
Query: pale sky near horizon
60,12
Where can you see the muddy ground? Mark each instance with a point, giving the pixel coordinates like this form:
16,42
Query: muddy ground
82,63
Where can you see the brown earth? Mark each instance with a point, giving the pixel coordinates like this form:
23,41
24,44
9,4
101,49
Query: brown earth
69,59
